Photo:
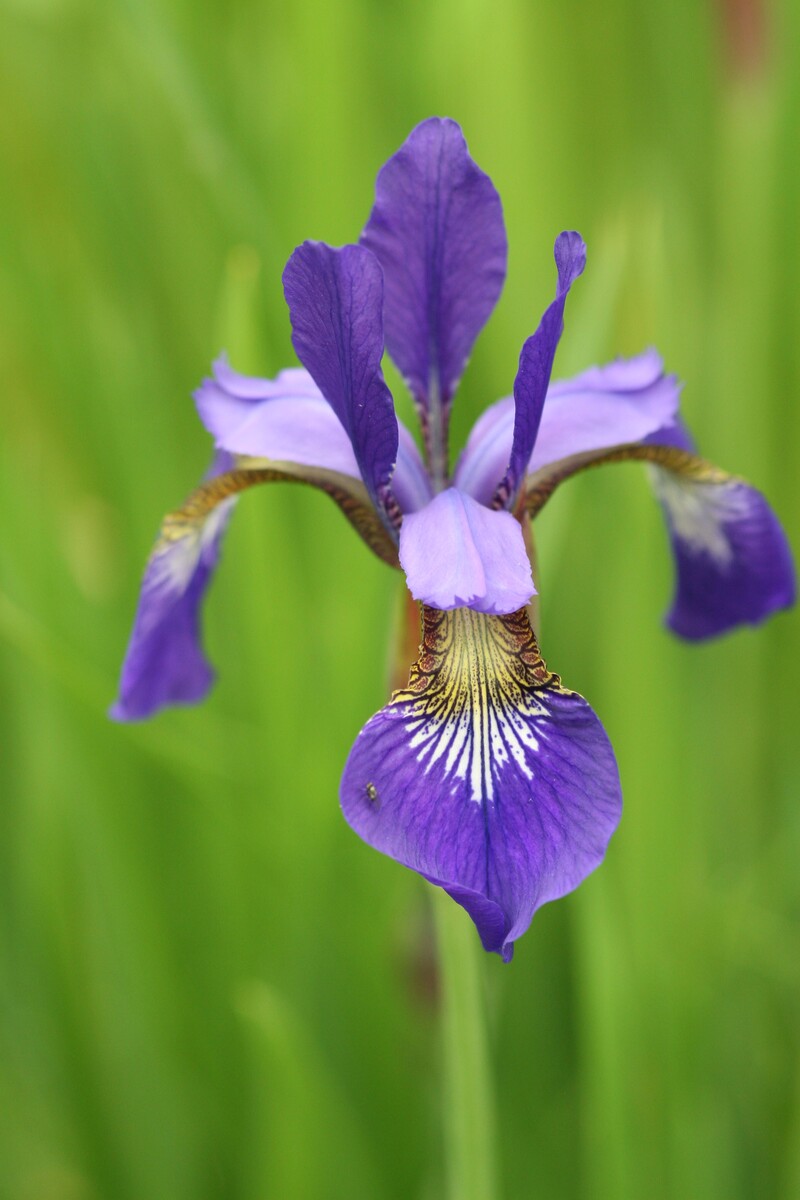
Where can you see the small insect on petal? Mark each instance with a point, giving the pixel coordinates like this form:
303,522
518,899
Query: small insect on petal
372,795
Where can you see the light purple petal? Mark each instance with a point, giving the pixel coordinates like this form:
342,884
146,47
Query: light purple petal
288,425
488,781
486,455
733,563
292,381
604,406
455,552
335,299
437,229
536,364
287,419
411,485
165,663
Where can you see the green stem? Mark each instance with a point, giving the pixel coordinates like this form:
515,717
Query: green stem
468,1094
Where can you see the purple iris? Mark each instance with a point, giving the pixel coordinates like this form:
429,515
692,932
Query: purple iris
484,774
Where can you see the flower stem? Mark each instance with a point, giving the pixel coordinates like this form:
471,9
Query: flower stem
468,1096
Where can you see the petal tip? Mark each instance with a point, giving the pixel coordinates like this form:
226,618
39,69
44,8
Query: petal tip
570,255
436,226
734,565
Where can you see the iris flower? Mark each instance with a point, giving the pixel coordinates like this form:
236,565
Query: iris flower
484,774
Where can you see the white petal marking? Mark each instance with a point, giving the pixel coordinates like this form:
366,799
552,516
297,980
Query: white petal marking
699,512
477,709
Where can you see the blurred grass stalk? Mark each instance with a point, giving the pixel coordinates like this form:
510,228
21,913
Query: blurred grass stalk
467,1092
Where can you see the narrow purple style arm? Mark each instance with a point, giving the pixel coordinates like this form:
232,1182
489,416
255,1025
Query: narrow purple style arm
536,365
335,299
437,229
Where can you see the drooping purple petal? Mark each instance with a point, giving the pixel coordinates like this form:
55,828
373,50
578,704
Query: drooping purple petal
733,562
437,229
287,419
536,364
458,553
165,663
335,300
604,406
485,776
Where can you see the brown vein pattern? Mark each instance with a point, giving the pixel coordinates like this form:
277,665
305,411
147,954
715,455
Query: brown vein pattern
476,694
357,508
542,484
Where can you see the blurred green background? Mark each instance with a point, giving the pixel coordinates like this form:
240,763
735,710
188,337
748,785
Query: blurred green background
209,987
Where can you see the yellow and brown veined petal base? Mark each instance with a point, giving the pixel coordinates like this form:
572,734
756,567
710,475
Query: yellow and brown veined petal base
471,663
540,486
347,493
485,775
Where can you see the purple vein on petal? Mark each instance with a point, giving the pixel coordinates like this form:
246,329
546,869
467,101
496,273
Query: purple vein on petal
437,229
335,299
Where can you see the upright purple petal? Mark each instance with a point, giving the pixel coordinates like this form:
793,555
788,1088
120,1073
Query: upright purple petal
457,553
437,229
602,407
165,663
335,300
536,364
485,775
